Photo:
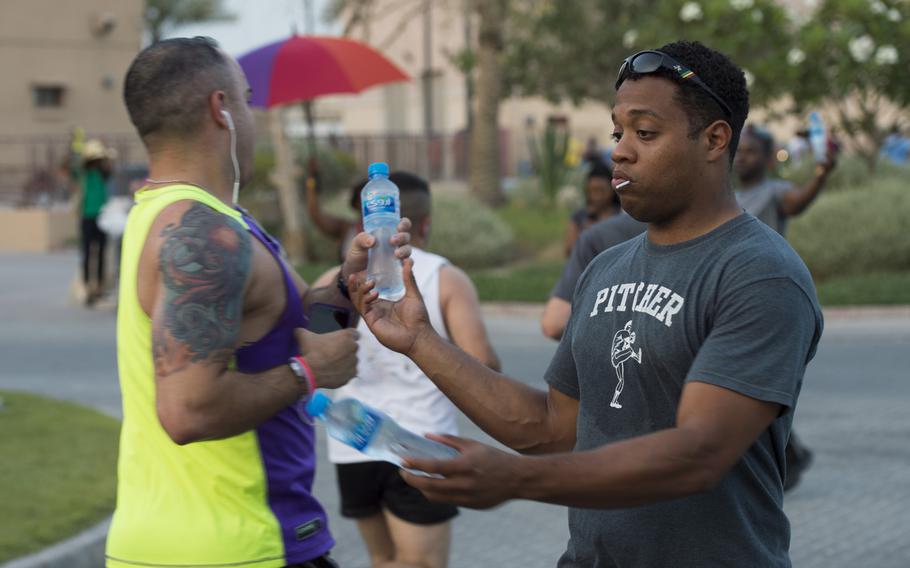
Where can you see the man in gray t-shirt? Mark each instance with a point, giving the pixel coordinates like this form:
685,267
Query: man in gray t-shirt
733,308
671,395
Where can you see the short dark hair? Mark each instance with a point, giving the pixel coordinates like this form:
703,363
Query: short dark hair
599,168
414,193
415,196
717,71
762,136
167,86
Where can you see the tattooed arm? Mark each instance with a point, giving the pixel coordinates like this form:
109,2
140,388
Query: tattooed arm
204,262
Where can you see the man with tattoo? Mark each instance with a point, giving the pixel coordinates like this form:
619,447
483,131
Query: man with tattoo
216,466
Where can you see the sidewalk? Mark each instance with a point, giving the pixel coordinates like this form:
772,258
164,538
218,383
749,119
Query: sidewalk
851,509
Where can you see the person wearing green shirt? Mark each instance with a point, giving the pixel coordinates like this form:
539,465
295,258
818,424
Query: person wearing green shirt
96,169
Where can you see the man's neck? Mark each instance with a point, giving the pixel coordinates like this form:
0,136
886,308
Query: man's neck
705,213
172,164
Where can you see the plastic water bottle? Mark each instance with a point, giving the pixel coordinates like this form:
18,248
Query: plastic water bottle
381,214
373,432
818,141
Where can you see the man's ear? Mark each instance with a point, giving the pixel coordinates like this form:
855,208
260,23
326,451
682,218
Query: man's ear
217,102
718,136
424,228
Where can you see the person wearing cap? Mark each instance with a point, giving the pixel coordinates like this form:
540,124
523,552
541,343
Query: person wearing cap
671,395
95,171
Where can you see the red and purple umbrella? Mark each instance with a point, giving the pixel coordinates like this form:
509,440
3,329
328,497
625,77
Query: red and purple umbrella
302,68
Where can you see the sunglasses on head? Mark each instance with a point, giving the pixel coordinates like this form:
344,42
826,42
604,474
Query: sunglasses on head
646,62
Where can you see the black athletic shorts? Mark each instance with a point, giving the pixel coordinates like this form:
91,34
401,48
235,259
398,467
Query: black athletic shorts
367,487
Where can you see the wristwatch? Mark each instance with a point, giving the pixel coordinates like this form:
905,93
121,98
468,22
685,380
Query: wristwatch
343,286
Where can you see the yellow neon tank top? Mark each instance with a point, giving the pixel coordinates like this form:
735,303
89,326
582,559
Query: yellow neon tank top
202,504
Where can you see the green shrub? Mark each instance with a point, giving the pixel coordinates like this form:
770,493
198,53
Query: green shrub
523,283
851,173
468,233
338,169
857,231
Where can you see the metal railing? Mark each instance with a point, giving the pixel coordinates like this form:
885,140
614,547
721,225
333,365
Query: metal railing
34,170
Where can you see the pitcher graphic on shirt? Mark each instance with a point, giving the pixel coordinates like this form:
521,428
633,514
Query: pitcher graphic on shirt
621,352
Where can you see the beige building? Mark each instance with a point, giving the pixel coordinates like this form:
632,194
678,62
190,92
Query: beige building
63,66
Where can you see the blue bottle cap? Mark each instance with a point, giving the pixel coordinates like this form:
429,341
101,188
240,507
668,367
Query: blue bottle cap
378,168
317,404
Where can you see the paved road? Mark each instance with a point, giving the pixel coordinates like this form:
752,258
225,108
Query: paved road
853,507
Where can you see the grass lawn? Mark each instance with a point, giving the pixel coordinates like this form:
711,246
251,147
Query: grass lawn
58,473
875,288
532,282
518,283
535,228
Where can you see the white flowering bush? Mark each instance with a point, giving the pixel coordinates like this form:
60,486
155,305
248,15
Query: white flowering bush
854,56
690,12
861,48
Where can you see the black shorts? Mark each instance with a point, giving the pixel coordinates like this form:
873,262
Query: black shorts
367,487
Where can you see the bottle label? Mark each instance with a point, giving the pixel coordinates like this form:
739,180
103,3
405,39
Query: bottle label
363,431
378,205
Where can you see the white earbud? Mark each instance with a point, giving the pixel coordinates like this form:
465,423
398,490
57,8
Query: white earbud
230,123
230,120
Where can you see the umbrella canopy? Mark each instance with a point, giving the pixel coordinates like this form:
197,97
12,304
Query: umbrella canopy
302,68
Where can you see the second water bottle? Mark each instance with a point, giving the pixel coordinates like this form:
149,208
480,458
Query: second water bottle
373,432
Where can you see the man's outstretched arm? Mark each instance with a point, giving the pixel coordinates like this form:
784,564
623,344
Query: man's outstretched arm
715,427
521,417
798,199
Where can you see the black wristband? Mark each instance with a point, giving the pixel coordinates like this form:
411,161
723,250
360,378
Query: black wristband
342,286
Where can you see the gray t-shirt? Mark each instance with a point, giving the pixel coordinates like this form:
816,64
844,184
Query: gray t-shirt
763,201
735,308
596,239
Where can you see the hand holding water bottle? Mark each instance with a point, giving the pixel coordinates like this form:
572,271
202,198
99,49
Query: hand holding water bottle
357,261
373,432
480,477
397,325
381,209
824,149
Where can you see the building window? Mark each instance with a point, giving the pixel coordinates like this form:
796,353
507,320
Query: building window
48,96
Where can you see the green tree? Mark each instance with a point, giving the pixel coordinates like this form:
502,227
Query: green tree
852,57
573,50
162,15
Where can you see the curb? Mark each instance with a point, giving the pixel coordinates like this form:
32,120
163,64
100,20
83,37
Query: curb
85,550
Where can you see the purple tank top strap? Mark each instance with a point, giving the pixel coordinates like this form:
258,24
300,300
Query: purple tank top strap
279,344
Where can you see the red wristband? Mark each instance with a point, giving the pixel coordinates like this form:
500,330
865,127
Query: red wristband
302,369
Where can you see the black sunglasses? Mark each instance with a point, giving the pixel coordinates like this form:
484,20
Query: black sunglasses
645,62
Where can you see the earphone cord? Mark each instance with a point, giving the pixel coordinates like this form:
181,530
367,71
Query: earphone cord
236,165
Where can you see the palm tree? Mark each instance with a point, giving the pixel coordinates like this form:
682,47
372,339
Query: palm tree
483,174
161,15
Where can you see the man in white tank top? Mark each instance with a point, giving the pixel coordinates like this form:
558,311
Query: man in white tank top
399,526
